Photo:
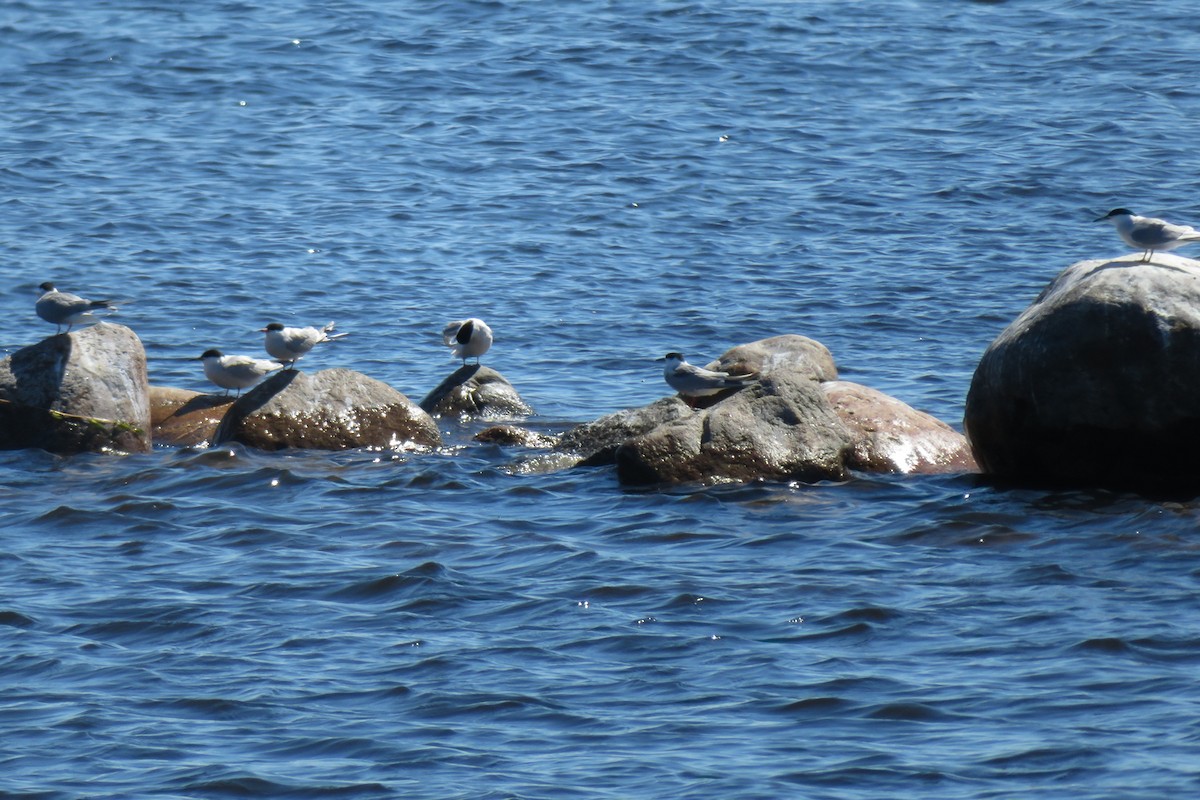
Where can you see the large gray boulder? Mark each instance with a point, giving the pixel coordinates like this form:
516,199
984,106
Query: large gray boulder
473,390
781,428
83,391
333,409
1097,382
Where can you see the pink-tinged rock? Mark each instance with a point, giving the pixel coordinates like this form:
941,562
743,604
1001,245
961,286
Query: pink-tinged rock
888,435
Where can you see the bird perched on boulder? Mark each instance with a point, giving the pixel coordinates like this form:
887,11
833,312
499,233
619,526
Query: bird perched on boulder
61,308
236,372
693,381
469,338
288,345
1149,234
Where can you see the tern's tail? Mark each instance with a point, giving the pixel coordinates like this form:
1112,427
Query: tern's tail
333,337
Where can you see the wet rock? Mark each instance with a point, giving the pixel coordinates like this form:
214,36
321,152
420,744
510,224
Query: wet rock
183,418
1096,382
84,391
475,391
515,436
891,436
333,409
782,428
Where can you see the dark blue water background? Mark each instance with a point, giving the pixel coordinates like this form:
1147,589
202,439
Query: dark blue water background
602,182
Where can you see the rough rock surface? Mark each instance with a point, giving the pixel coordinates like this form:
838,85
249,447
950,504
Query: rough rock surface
792,351
183,418
1097,382
84,391
475,391
782,428
891,436
333,409
596,442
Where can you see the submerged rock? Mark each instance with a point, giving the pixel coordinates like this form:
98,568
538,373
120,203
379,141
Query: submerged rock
475,391
183,418
1096,382
333,409
84,391
515,436
888,435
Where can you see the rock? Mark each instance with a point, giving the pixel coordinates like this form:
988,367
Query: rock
475,391
891,436
515,436
782,428
333,409
789,351
1096,383
792,351
84,391
596,442
183,418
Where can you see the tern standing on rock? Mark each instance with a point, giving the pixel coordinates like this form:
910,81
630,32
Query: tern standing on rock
288,345
61,308
693,381
469,338
235,372
1149,234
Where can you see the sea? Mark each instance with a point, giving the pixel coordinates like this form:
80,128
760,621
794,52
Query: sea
602,181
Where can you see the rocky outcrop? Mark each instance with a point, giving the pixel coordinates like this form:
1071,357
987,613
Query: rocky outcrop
333,409
797,423
781,428
183,418
84,391
888,435
1096,382
475,391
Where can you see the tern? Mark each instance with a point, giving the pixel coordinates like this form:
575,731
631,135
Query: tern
61,308
469,338
1149,234
288,345
693,381
235,372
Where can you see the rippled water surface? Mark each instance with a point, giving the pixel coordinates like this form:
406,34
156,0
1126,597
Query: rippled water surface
602,182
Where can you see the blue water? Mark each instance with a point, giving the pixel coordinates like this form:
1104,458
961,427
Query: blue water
602,182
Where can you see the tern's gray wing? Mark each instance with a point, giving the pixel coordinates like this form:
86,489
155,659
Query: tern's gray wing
302,340
450,332
248,367
1151,232
60,306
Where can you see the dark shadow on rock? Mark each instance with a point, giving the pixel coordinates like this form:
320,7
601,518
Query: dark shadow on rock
263,393
202,402
38,370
